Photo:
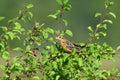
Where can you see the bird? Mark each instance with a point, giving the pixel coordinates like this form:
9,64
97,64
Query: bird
67,45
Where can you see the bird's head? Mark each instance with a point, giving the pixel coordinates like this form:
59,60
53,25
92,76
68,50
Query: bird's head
60,38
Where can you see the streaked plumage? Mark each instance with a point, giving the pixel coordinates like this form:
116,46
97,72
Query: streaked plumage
67,45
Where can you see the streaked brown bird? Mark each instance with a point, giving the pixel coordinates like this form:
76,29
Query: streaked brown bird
67,45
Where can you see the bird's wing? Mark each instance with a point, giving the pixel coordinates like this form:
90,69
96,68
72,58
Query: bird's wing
69,45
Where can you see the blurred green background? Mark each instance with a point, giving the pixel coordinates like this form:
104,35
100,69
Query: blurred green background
79,17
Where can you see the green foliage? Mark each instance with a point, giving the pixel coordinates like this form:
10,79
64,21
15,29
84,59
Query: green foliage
1,18
103,24
42,58
58,15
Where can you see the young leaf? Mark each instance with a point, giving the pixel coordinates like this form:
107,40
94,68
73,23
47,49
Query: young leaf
103,33
45,34
98,14
118,48
17,49
50,30
5,55
57,77
17,26
34,64
90,28
59,2
30,14
65,1
54,63
67,7
4,28
52,16
1,18
28,48
108,21
65,22
114,70
2,67
98,26
29,6
36,78
104,26
15,59
48,47
11,35
57,12
68,32
112,14
80,62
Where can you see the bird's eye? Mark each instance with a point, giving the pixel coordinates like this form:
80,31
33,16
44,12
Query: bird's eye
60,37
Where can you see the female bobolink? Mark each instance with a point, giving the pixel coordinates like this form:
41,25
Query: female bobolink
67,45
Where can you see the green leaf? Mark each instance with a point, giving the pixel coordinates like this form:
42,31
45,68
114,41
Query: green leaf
15,59
80,62
52,73
65,56
28,48
114,70
6,37
98,14
97,35
108,21
69,32
2,67
52,16
103,33
67,7
50,30
54,63
84,78
17,37
65,1
112,14
104,26
51,39
57,77
36,78
2,44
18,49
30,14
59,2
90,28
1,18
98,26
108,3
65,22
44,77
17,26
34,64
57,12
4,28
11,35
5,55
45,34
48,47
28,18
29,6
118,48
